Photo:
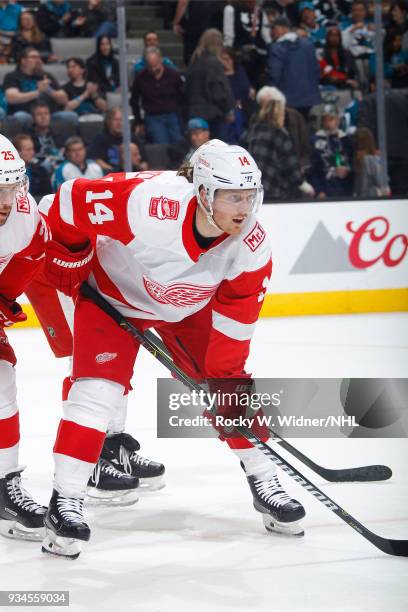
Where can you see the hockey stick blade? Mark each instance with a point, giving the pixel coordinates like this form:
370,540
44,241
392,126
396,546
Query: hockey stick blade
368,473
389,546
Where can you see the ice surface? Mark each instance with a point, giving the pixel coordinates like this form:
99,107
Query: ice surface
198,544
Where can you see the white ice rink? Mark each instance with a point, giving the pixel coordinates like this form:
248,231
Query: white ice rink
198,545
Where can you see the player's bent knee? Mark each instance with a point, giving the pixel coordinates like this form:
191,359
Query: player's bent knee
91,402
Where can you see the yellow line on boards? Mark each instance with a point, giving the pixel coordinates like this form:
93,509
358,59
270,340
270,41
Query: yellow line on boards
335,302
312,303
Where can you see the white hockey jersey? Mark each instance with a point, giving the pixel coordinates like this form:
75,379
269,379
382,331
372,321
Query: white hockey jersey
22,240
148,263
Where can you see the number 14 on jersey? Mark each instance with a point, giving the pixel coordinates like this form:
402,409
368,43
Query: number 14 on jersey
101,212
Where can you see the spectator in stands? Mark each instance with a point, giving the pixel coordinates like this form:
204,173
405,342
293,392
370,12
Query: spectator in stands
159,89
29,83
30,35
246,28
399,21
326,11
138,164
151,39
47,151
103,67
282,8
76,165
396,118
55,18
367,166
310,26
40,184
244,94
10,13
208,91
272,147
293,67
294,124
395,61
198,133
95,19
104,148
192,19
331,164
83,95
358,38
337,66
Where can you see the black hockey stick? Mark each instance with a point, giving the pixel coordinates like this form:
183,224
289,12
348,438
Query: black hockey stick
387,545
367,473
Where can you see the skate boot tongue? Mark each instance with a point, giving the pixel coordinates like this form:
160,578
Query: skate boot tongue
114,441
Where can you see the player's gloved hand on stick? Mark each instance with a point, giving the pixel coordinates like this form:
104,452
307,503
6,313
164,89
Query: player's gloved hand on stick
66,269
233,400
10,313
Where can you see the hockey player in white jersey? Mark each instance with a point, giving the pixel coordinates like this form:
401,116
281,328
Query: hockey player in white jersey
188,259
22,239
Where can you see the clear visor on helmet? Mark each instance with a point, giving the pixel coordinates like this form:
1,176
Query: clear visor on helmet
8,193
237,201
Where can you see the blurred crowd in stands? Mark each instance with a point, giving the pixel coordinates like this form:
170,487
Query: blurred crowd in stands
294,82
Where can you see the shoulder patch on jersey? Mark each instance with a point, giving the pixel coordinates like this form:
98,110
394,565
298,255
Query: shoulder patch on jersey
23,204
255,237
163,208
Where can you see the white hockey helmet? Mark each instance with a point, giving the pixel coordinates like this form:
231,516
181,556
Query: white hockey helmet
214,142
221,166
12,167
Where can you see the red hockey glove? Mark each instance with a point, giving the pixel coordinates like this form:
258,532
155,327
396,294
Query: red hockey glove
10,313
233,406
65,269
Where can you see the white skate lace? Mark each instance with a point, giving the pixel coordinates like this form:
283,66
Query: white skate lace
124,459
271,491
138,459
21,497
71,509
104,467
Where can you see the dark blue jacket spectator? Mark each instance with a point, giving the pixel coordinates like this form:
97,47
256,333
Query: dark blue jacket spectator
293,66
331,163
55,18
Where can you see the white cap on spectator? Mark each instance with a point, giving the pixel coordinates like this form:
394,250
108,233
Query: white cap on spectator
267,93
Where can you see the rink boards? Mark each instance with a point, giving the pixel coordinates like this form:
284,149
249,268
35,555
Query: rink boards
332,258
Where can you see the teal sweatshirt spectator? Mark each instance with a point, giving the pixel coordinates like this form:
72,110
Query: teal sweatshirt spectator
9,16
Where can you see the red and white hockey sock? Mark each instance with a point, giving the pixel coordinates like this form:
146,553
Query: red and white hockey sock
256,463
87,412
117,423
9,420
